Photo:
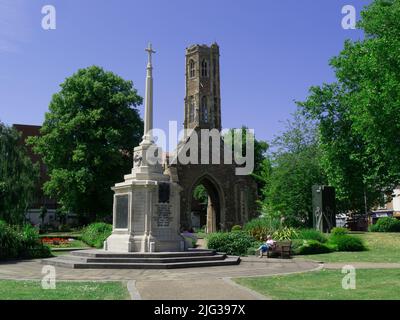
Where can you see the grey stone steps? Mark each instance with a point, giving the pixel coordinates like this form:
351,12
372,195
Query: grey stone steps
62,262
143,260
70,249
104,254
59,262
155,260
99,259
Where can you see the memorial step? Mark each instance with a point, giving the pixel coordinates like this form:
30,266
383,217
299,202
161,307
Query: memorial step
164,265
99,259
105,254
144,260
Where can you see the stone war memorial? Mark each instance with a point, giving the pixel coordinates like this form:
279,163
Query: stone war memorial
153,205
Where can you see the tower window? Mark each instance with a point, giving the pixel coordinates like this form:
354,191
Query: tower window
192,69
204,68
204,110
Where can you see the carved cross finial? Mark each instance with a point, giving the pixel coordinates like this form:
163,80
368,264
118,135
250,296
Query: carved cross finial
150,50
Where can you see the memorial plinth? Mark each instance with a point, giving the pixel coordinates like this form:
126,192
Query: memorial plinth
146,217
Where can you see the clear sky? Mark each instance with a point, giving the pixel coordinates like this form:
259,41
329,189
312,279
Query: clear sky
271,52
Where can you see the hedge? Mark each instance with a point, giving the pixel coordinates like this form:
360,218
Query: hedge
386,224
96,233
233,243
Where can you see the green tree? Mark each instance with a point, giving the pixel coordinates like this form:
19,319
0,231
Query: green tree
61,215
359,114
295,161
200,194
341,148
18,177
261,163
87,140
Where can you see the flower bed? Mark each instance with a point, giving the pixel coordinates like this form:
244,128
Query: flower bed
56,241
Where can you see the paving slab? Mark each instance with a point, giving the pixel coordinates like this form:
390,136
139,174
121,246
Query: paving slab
362,265
199,289
205,283
32,269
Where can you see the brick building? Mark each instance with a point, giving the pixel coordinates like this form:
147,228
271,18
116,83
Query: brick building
390,208
41,200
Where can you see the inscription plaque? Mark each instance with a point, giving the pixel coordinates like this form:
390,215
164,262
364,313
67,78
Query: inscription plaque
121,211
163,216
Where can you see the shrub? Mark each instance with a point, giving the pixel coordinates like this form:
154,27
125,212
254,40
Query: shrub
41,251
236,228
347,243
296,244
233,243
96,233
285,234
10,241
252,251
21,242
260,228
312,234
338,231
386,224
30,236
314,247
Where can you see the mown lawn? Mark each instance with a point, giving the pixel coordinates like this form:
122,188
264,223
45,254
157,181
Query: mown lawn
383,247
70,234
32,290
371,284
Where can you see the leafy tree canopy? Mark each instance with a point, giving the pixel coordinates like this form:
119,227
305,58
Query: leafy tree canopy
200,194
18,177
359,114
295,167
87,140
260,150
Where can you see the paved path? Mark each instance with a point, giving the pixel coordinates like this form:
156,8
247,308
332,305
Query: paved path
362,265
192,283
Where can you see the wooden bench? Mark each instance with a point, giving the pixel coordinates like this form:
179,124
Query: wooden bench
282,249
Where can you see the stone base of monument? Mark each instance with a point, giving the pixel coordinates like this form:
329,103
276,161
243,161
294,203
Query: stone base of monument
101,259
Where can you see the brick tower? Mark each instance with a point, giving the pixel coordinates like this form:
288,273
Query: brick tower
203,98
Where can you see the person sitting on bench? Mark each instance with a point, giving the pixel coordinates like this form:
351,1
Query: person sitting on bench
265,247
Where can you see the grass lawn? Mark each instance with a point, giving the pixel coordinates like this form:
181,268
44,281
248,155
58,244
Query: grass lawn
70,234
383,247
32,290
371,284
60,253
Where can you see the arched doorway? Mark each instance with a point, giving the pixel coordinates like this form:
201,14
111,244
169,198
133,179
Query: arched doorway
205,205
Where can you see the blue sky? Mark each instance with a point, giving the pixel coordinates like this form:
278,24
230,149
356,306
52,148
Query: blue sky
271,52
